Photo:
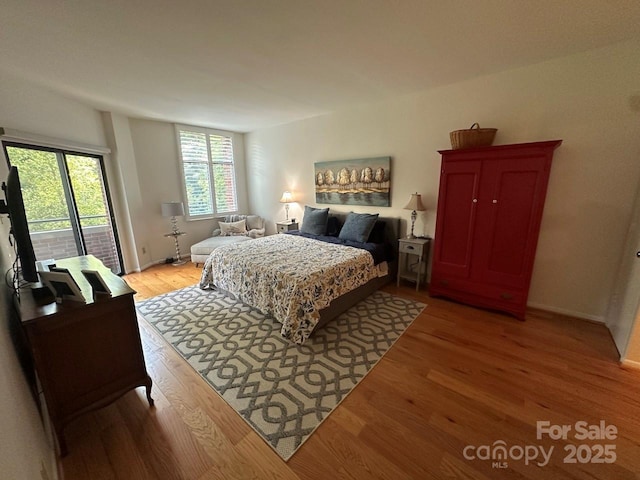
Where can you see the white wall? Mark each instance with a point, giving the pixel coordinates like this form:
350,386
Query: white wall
131,218
26,449
590,101
158,166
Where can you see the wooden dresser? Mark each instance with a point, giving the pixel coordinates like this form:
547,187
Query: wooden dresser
86,355
490,206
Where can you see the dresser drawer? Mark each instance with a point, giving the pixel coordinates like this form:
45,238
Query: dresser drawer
493,292
413,248
283,227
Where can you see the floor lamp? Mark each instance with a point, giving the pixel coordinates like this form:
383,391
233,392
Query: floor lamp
173,210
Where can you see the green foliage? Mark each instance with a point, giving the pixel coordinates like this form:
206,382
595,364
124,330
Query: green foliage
223,181
198,190
43,193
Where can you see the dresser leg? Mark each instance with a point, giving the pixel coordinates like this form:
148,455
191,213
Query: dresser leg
148,390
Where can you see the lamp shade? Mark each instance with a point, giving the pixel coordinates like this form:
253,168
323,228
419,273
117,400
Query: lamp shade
415,203
172,209
286,197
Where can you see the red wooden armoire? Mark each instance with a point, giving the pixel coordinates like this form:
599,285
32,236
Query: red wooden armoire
489,210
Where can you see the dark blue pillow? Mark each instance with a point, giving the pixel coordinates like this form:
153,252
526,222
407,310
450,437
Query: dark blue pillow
333,226
377,234
314,220
357,227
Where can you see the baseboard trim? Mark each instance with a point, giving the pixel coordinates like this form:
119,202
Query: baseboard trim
570,313
630,364
150,264
159,262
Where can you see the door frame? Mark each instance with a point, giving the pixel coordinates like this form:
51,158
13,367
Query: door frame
624,303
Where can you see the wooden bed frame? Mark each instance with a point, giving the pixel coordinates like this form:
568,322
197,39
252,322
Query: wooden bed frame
344,302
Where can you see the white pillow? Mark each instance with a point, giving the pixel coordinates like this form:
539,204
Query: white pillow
228,229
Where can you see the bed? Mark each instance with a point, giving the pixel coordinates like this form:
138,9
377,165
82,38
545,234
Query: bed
301,280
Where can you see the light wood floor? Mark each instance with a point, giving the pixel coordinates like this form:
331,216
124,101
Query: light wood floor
459,376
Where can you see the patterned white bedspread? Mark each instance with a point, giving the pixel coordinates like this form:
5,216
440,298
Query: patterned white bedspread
288,277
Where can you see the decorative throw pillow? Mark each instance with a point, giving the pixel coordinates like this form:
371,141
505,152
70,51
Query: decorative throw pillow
357,227
377,232
229,229
314,220
333,226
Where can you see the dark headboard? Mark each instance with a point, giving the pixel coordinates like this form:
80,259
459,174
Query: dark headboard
391,229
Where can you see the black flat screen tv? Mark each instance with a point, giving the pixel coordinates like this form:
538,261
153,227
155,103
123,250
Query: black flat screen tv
19,226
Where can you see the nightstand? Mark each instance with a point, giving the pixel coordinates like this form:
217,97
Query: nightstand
286,226
419,249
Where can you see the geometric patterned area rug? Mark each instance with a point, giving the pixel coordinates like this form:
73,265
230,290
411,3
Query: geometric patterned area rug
284,391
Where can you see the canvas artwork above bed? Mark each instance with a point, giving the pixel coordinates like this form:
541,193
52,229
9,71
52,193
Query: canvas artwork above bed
362,181
295,277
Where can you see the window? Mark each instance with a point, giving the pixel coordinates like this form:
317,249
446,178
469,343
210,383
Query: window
67,203
208,171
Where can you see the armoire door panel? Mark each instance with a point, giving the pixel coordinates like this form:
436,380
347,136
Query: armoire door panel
459,184
513,208
512,223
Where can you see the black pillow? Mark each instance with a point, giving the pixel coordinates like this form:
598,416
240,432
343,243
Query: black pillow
314,220
333,226
377,233
357,227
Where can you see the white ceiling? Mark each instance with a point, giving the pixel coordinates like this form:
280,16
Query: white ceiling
248,64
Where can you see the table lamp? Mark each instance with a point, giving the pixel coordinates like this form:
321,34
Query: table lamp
415,204
287,198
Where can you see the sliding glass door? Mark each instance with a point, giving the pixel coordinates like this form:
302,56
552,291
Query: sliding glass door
67,204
